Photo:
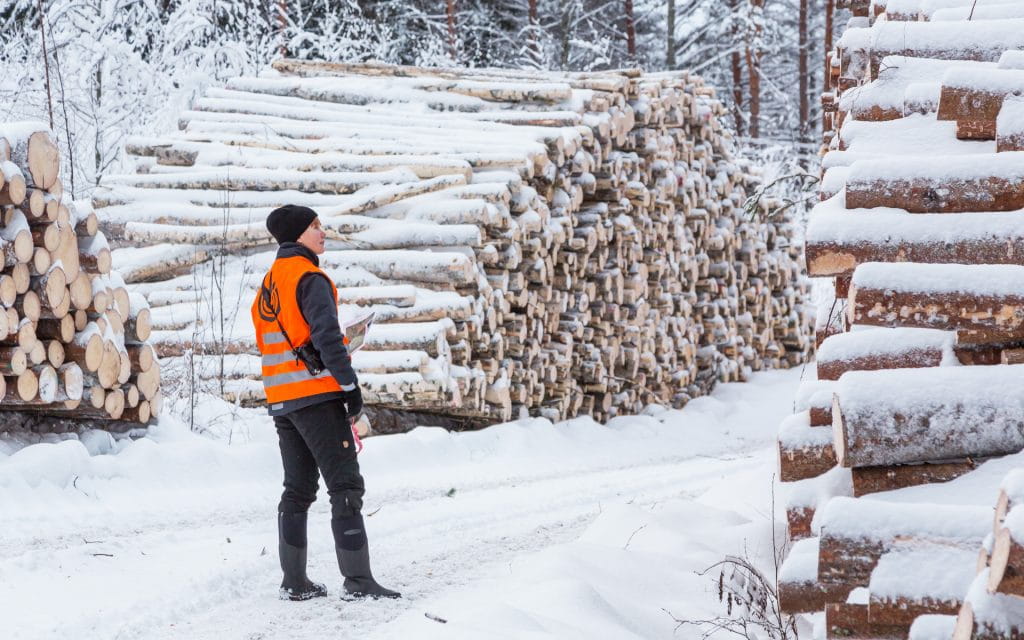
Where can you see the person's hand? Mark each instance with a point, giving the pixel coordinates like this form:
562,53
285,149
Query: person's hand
354,403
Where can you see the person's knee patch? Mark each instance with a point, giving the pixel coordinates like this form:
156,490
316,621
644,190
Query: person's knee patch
293,528
349,533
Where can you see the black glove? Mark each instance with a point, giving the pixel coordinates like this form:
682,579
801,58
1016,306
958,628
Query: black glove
353,402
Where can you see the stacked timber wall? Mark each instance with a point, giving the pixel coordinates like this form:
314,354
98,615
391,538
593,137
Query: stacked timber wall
532,243
73,345
919,232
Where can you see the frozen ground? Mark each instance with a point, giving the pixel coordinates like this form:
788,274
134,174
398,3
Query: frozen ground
523,530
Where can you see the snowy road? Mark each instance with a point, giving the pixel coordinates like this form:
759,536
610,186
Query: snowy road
176,538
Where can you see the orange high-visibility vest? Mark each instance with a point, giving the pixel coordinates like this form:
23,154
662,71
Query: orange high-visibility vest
284,376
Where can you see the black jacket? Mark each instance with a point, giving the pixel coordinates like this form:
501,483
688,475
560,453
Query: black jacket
316,303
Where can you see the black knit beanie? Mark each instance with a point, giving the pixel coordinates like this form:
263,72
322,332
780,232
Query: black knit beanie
289,222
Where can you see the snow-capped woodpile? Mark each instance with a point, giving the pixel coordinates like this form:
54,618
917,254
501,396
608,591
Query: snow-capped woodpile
557,244
72,338
921,231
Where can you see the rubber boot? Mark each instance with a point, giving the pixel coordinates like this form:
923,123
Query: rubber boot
354,559
291,547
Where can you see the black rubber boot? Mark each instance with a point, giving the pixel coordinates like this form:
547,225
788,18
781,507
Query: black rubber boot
291,546
354,559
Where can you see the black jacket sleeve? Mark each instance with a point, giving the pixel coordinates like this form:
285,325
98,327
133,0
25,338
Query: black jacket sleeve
316,302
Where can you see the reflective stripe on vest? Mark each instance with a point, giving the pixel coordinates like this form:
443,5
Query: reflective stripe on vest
284,376
277,358
274,337
294,376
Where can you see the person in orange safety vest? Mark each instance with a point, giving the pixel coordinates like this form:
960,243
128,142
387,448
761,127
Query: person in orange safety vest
313,395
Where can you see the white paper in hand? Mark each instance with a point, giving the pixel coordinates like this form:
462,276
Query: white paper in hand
355,331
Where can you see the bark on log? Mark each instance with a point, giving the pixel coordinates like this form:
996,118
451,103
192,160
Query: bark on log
804,597
891,295
851,621
966,183
836,244
974,97
805,462
804,451
889,478
882,349
856,533
798,522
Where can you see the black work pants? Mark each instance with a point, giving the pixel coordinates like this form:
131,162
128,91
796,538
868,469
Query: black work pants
319,438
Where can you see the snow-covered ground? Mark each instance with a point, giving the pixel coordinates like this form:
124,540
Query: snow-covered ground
522,530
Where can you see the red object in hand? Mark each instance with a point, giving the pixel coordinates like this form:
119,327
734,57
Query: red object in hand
355,435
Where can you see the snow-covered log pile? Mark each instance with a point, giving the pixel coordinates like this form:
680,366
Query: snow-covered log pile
72,339
920,234
556,244
994,605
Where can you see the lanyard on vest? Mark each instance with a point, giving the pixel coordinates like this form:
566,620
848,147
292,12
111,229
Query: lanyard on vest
305,354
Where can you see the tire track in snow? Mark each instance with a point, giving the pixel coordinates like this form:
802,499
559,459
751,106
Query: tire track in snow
421,543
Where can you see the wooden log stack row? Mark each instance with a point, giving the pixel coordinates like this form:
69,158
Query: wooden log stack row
919,235
72,339
531,243
994,605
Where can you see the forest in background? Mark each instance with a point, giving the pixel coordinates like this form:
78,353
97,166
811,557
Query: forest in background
117,68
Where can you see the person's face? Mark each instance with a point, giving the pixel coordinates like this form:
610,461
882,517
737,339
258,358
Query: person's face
313,237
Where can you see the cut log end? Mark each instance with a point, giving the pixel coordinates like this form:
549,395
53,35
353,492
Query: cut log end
838,433
999,559
43,160
73,381
27,385
964,628
114,403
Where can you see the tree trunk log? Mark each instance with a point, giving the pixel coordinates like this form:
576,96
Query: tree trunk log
929,415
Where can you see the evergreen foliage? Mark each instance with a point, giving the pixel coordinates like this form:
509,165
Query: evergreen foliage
126,67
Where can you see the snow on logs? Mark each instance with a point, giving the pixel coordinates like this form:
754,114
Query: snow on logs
856,533
989,616
72,345
964,40
983,182
804,451
916,415
799,589
981,302
1010,125
994,602
552,244
919,233
974,99
915,580
839,239
874,349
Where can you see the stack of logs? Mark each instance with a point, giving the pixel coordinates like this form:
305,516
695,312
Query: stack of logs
920,232
994,606
569,243
72,339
